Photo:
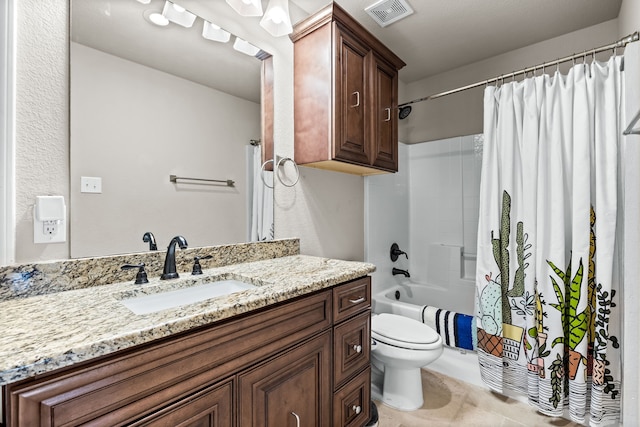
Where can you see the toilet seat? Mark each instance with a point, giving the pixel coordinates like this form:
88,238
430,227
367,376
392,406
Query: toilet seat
400,331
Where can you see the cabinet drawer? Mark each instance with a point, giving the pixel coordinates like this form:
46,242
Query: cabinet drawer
212,406
351,403
351,298
351,347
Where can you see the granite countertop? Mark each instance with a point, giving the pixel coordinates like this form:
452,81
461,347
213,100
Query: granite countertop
46,332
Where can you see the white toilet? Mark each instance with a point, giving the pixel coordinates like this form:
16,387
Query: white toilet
400,347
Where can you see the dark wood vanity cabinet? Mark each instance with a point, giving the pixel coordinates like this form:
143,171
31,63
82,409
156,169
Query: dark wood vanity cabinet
306,360
345,96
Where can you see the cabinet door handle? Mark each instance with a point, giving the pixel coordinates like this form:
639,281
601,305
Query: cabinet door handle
357,94
357,348
356,409
388,110
297,419
357,300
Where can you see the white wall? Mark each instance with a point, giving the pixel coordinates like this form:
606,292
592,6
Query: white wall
133,126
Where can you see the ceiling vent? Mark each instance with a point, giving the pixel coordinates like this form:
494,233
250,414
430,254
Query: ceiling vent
386,12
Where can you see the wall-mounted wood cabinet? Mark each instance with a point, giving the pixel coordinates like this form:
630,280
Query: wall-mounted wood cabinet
345,96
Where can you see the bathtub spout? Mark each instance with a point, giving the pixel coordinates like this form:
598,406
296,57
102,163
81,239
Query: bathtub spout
398,271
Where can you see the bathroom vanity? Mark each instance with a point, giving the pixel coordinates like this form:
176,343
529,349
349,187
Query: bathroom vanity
293,350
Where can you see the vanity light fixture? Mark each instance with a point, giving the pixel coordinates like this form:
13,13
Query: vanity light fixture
246,7
276,19
213,32
245,47
178,14
144,1
157,19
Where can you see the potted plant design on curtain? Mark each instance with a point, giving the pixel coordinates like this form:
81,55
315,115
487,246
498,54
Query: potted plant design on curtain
574,323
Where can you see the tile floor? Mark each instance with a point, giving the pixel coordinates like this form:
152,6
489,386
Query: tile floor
449,402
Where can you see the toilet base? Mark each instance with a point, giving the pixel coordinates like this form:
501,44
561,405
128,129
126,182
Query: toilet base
402,388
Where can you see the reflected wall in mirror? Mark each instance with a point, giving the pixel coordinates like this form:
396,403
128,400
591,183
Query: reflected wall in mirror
148,102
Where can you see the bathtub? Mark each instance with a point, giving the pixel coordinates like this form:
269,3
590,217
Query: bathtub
408,298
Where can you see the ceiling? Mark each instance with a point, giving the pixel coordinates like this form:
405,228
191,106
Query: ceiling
440,35
445,34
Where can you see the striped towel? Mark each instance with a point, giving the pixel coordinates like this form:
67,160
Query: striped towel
457,330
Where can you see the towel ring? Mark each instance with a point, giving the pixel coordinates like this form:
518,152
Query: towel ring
281,162
262,173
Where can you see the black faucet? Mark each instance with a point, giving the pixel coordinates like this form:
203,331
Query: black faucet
148,237
398,271
169,271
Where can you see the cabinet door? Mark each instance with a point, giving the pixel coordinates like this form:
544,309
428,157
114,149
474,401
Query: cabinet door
351,140
385,116
211,407
290,390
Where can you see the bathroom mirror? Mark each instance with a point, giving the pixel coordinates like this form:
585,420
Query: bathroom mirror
148,102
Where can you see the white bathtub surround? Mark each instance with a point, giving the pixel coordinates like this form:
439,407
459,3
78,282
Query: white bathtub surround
547,283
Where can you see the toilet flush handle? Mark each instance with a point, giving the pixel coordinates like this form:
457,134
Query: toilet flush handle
374,344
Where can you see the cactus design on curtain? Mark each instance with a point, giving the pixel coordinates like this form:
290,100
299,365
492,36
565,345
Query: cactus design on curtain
548,320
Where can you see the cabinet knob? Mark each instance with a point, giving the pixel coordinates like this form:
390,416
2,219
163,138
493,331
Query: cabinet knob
357,348
356,409
388,110
357,94
297,419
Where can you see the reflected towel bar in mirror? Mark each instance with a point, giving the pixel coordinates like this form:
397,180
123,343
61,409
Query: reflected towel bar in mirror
227,182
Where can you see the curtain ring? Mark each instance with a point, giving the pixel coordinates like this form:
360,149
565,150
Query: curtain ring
558,65
615,49
593,56
262,170
281,162
584,58
513,77
543,65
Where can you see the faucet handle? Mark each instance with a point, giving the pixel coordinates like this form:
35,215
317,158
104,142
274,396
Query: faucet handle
395,252
141,277
197,268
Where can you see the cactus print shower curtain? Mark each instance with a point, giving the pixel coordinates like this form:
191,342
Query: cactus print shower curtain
547,306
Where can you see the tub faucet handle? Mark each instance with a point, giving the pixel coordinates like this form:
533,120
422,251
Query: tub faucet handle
395,252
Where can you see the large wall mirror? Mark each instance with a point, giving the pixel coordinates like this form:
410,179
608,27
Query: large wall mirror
150,101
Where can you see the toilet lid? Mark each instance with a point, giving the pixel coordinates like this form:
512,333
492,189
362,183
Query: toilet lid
402,329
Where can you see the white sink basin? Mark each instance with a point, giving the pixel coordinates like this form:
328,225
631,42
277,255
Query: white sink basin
185,296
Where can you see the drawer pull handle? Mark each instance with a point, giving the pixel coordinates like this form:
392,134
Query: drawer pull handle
388,110
356,409
357,104
297,419
357,348
357,300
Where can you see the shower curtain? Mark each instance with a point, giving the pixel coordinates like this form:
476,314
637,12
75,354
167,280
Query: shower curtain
262,202
548,237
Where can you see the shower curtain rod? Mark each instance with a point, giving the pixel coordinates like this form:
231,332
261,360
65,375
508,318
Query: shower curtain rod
620,43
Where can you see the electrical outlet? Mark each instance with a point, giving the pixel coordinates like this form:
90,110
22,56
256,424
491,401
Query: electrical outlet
50,228
49,231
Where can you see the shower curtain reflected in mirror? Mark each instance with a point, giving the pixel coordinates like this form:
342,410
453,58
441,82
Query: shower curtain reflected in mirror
548,237
262,202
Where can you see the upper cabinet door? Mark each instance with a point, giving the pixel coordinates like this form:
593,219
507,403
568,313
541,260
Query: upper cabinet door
352,101
385,135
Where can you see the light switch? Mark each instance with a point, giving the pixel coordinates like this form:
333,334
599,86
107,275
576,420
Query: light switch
90,184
